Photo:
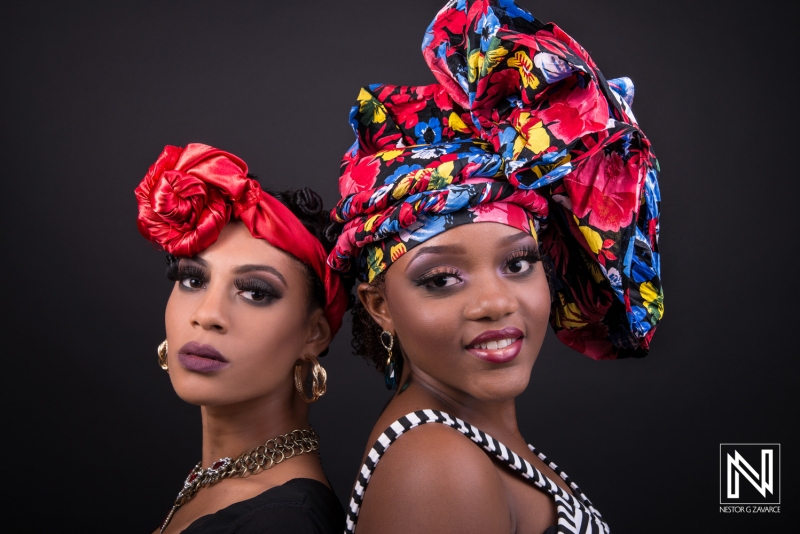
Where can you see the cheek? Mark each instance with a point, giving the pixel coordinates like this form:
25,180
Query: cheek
267,336
175,313
428,329
536,306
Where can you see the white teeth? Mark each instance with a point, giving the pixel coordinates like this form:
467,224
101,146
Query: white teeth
494,345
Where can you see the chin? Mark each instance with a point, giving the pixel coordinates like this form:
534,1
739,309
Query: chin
492,387
201,391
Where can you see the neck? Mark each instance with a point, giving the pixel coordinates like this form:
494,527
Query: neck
498,417
237,428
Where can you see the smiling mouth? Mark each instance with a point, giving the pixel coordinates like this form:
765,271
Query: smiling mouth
494,344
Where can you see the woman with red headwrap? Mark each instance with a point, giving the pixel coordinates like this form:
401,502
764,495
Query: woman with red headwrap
518,188
253,306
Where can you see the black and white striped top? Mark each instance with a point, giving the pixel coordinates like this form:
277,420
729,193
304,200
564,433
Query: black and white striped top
575,512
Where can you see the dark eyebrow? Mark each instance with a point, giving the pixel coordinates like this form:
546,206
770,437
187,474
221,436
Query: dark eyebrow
459,250
513,238
440,249
265,268
198,260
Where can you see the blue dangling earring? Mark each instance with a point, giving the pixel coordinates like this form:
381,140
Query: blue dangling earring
390,373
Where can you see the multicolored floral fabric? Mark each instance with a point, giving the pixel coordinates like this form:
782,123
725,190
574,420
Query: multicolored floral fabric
521,129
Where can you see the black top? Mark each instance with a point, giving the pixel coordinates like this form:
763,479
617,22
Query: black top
301,505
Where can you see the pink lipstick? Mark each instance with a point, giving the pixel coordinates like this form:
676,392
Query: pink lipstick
201,358
497,346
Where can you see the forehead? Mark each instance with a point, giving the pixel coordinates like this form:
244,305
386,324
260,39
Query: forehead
236,246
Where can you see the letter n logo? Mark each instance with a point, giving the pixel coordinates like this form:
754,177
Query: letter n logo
750,473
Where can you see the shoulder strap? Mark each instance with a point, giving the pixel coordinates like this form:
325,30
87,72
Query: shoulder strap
575,514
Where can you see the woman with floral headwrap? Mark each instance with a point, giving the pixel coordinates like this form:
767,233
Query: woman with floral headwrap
253,306
525,136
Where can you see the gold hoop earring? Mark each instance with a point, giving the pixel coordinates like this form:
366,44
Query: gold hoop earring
162,355
319,380
390,371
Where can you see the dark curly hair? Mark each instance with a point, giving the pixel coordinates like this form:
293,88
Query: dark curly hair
307,206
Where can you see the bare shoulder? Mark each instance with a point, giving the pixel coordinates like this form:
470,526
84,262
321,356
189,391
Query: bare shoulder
434,479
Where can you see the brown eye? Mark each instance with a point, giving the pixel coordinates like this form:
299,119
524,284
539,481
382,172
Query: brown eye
192,282
443,280
518,265
521,262
255,295
438,279
256,291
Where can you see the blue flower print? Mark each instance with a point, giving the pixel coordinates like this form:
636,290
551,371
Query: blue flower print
428,133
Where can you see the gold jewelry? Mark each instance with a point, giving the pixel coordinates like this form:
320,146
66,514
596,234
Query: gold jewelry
263,457
319,380
390,369
162,355
388,346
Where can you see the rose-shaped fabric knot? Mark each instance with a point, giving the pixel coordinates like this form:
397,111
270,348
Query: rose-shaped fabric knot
178,199
184,210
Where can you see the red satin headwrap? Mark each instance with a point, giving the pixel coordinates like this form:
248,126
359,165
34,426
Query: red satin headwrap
189,194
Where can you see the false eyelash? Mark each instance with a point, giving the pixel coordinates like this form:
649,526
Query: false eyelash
431,275
189,271
255,284
531,254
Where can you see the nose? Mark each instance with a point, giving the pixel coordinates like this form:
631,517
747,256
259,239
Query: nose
490,299
210,312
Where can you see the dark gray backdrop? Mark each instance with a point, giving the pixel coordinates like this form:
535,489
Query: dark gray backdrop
96,437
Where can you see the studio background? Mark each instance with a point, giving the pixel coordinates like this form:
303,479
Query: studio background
96,438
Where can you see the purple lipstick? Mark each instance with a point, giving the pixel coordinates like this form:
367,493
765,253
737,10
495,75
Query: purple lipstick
201,358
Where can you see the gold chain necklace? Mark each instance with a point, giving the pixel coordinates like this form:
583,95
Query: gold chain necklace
263,457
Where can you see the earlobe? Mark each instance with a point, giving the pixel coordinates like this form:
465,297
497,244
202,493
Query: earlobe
374,301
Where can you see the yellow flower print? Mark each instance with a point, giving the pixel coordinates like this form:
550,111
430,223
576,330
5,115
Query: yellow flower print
371,107
475,64
388,155
455,123
478,63
402,186
397,251
533,137
375,263
442,176
653,300
370,222
413,178
532,226
493,57
525,67
568,316
592,237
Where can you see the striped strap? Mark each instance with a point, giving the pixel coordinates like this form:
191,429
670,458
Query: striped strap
575,512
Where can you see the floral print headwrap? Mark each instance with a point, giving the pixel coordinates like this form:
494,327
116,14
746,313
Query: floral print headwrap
522,129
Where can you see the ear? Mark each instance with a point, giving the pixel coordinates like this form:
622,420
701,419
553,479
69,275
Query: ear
374,300
319,333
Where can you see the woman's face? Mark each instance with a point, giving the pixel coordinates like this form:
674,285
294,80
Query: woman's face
470,309
238,320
